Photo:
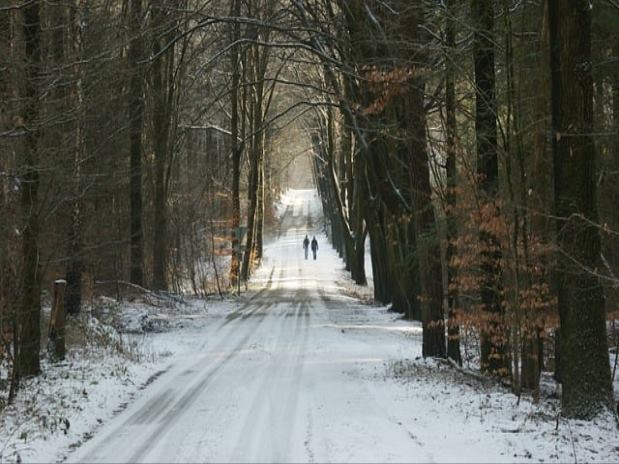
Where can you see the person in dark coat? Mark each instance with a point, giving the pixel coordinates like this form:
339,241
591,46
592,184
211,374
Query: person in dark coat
314,246
306,244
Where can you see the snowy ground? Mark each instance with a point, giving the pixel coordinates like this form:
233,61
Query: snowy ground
296,370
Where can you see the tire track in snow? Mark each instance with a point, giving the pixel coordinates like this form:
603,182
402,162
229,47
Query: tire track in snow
173,414
251,301
168,419
153,408
301,333
288,409
166,408
136,418
257,420
270,417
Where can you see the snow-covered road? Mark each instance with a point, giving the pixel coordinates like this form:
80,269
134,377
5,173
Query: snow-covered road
274,380
297,371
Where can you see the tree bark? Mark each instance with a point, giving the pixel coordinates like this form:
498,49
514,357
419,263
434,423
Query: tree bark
358,207
493,336
260,208
585,368
252,188
29,335
378,253
614,254
73,276
539,199
237,148
136,122
453,329
163,85
258,65
426,234
8,280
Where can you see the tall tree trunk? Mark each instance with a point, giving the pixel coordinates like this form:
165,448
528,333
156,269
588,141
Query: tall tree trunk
343,239
608,196
351,165
5,312
428,251
358,206
259,63
426,233
8,303
162,64
453,329
378,254
260,209
493,355
73,292
29,334
539,202
585,368
237,148
614,254
252,188
136,122
402,259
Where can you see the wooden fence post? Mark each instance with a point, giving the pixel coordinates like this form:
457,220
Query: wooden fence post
56,344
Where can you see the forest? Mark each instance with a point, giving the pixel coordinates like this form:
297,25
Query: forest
465,155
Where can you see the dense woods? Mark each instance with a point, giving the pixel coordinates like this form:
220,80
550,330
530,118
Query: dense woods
474,144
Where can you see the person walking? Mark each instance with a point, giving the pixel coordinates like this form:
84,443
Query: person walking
306,244
314,246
